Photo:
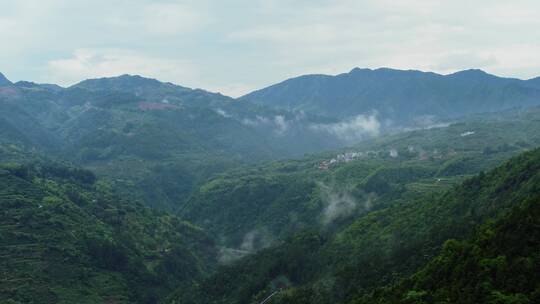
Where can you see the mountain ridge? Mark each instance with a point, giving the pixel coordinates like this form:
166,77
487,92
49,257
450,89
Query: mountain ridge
4,81
126,81
328,227
401,96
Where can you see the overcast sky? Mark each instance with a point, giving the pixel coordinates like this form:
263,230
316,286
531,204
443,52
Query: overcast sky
239,45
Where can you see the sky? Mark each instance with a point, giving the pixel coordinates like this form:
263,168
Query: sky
236,46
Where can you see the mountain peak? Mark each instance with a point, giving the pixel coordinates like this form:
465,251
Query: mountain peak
399,95
30,84
359,70
386,71
129,77
148,89
471,73
122,82
4,81
378,70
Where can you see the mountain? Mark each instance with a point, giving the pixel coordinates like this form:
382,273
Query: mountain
155,139
159,141
497,265
67,238
262,203
125,83
399,97
534,82
150,89
4,81
393,242
38,86
249,202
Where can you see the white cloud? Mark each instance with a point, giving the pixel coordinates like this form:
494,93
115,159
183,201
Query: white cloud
159,19
240,45
259,120
333,37
278,123
223,113
352,130
170,19
338,203
92,63
256,239
281,124
511,14
455,61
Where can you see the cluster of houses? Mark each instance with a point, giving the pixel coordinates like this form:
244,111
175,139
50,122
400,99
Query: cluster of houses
350,156
343,158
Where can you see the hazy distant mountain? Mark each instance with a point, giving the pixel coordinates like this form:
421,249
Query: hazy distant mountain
534,82
33,85
122,83
400,96
163,139
155,137
146,88
321,229
4,81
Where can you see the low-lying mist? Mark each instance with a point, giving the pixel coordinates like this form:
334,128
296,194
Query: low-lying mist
340,202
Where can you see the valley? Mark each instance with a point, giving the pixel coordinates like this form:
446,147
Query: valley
131,190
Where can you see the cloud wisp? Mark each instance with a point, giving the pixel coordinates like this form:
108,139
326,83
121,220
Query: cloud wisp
341,203
253,241
278,123
352,130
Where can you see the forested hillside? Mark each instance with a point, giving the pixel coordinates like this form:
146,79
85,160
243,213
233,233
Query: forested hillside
403,97
156,141
252,200
66,238
159,141
381,247
269,152
499,264
252,206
